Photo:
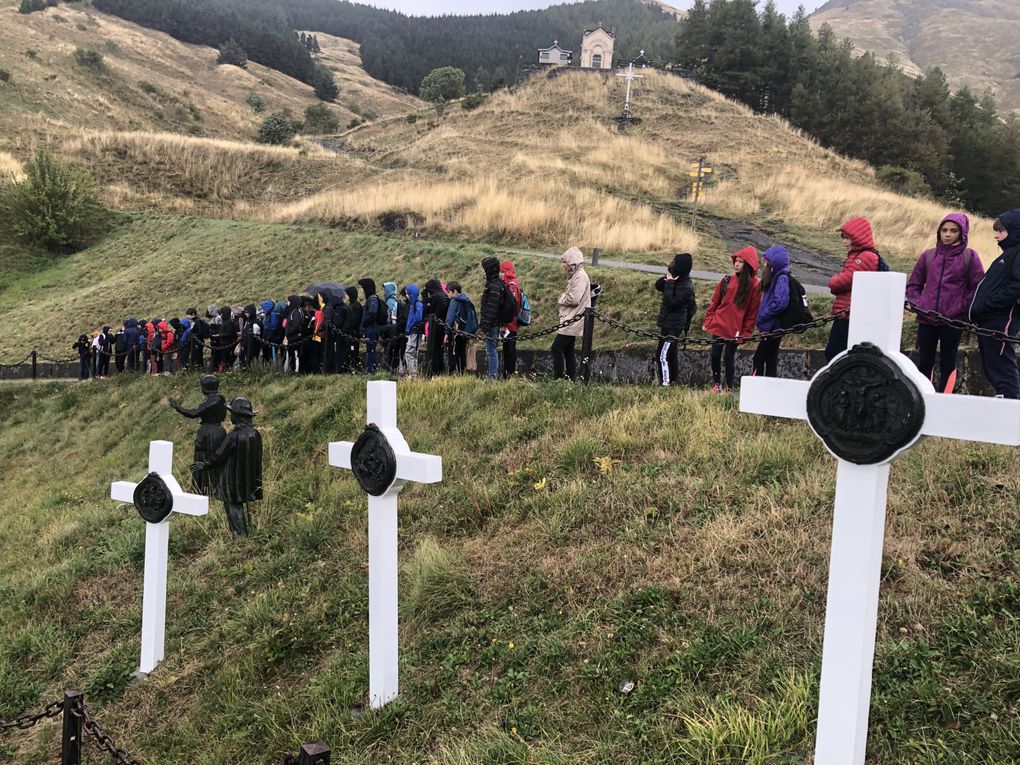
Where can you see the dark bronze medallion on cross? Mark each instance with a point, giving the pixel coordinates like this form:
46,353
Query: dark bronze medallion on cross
373,461
152,499
864,408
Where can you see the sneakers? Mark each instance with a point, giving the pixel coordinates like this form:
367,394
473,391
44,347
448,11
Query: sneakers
717,388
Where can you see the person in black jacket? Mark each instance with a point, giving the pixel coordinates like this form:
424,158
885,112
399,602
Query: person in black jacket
199,338
488,319
292,332
352,331
84,348
226,340
996,306
133,340
436,304
675,314
336,348
370,325
120,348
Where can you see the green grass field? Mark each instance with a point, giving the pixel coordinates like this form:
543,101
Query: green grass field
582,538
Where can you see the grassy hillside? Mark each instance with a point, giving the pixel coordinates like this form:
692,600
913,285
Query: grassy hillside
970,40
582,538
159,265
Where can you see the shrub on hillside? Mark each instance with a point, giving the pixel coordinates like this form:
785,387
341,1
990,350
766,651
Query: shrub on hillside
89,57
31,6
5,75
254,100
232,53
55,207
276,129
903,181
473,101
443,84
319,118
322,82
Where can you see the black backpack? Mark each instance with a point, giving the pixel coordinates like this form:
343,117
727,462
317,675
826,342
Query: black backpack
382,312
797,311
507,306
882,265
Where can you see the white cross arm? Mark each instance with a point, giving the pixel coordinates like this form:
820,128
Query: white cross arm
774,396
340,454
972,418
412,466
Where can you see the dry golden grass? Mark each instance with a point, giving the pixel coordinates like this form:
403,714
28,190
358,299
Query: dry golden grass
10,169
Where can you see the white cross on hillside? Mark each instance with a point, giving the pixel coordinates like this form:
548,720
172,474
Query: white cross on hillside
630,77
862,413
157,543
382,476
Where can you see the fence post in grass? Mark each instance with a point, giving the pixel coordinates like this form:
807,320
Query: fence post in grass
35,364
316,753
595,256
70,745
586,340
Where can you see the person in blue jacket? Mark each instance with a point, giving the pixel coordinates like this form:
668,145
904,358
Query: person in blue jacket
184,343
272,328
775,284
134,345
996,306
413,328
457,318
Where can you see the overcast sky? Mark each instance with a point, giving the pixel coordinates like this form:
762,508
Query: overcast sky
438,7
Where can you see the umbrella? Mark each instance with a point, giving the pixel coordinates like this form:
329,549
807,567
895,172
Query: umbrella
329,289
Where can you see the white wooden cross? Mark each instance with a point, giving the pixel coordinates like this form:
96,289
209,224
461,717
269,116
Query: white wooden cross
157,544
858,528
630,77
383,675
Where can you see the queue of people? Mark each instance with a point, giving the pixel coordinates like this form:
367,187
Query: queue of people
431,331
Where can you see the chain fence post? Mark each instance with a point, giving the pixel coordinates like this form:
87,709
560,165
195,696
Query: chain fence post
35,364
586,342
316,753
70,746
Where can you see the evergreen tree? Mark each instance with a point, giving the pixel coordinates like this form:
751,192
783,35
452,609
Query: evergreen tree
232,53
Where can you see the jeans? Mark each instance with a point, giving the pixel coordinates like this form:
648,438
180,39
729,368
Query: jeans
719,347
491,354
947,340
563,358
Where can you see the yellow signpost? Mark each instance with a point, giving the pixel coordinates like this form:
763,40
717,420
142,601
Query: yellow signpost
698,172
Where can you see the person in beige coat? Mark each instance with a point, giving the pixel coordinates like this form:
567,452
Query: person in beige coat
572,303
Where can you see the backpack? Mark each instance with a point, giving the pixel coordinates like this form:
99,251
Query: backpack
382,312
507,306
156,344
470,319
524,316
796,311
725,286
882,265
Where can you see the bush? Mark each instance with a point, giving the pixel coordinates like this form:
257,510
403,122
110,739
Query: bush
322,81
370,114
232,53
319,118
473,101
32,53
55,207
276,129
30,6
443,84
903,181
355,121
254,100
5,76
148,87
89,57
412,118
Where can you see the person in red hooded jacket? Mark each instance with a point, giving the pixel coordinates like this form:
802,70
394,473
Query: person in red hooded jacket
168,345
731,314
860,256
506,273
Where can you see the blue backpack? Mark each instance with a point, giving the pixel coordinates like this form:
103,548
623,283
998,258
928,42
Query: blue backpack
524,317
470,318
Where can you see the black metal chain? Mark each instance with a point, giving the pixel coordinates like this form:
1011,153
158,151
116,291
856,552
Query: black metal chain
958,324
17,363
103,741
794,330
522,337
27,721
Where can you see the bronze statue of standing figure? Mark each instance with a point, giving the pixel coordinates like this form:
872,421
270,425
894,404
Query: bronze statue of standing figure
239,463
211,433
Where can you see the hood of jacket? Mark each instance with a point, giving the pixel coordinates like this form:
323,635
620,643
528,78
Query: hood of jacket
352,294
226,313
163,327
963,222
293,301
249,311
434,286
368,285
185,323
413,293
778,258
682,264
131,324
1011,221
749,255
573,258
211,311
281,306
507,269
490,266
268,306
858,230
389,290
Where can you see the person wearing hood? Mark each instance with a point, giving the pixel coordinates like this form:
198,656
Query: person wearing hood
251,336
943,283
272,330
675,314
373,320
861,255
393,333
167,346
131,337
458,317
84,348
199,337
103,352
173,360
226,340
335,352
352,331
576,298
413,329
775,286
436,304
488,320
509,277
155,346
120,348
184,344
292,333
996,306
310,361
731,315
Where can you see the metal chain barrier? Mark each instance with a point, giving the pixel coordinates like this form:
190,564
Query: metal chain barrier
958,324
522,337
102,740
707,341
27,721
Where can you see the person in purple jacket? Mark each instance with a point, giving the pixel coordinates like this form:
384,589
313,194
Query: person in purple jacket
775,283
943,283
